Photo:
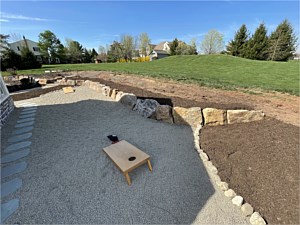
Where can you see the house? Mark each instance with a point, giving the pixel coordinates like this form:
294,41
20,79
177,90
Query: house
160,51
32,46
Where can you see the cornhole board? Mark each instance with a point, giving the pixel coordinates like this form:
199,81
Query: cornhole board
127,157
68,90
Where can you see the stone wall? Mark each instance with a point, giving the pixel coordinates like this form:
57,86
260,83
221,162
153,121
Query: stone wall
7,106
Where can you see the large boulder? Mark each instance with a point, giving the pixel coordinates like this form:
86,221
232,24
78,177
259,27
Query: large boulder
128,99
243,116
79,82
106,90
119,95
71,82
43,81
214,117
146,107
187,116
164,113
114,93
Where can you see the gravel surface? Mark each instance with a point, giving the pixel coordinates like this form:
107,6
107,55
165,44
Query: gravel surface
70,180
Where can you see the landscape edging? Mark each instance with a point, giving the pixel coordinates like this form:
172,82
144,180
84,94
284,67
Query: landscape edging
251,115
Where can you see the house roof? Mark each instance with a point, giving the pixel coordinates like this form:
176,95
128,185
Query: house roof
160,46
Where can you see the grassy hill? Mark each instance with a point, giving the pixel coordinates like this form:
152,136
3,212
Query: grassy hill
219,71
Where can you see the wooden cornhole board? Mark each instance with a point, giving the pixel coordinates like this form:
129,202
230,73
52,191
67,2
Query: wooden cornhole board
68,90
127,157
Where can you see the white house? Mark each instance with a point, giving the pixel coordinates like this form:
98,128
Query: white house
161,50
32,46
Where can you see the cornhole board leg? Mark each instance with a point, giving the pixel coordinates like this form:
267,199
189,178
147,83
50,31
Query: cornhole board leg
127,178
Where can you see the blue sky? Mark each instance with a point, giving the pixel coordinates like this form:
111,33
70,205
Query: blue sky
95,23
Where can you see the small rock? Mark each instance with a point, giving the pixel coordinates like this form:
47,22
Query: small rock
222,185
128,100
247,209
204,157
208,164
213,169
237,200
256,219
230,193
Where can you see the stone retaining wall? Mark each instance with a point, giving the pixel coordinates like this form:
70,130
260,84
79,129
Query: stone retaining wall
7,106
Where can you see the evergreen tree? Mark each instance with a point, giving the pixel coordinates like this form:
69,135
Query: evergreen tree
93,54
28,59
237,46
86,58
49,45
10,59
282,42
257,45
173,46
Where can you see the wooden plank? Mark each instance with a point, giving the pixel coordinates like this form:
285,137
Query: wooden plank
68,90
121,152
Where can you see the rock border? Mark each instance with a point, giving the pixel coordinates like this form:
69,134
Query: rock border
195,117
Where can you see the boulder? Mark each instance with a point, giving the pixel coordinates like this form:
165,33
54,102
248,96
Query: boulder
71,82
243,116
164,113
230,193
119,95
62,82
79,82
146,107
43,81
105,90
128,99
87,83
114,93
213,117
191,116
237,200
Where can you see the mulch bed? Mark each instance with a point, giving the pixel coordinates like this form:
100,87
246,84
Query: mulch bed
35,93
260,161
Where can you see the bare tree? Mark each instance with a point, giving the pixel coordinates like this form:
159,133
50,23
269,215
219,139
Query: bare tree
212,43
127,42
13,37
144,42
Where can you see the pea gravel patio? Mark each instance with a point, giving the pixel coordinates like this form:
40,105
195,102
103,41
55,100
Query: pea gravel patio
70,180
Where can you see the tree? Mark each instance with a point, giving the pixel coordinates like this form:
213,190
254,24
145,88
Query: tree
237,46
10,59
86,56
173,46
193,47
102,54
93,54
144,42
212,42
74,51
115,52
49,45
257,45
28,59
282,42
127,42
3,43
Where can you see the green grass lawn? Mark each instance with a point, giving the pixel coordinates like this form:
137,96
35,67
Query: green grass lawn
218,71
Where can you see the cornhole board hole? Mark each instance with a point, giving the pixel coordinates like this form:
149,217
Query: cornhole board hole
68,90
127,157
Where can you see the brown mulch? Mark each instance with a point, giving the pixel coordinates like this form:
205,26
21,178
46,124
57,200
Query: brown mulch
260,161
35,93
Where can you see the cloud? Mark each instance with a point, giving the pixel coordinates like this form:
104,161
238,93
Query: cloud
4,20
5,16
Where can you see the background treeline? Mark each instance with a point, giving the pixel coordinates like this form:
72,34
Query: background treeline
280,45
